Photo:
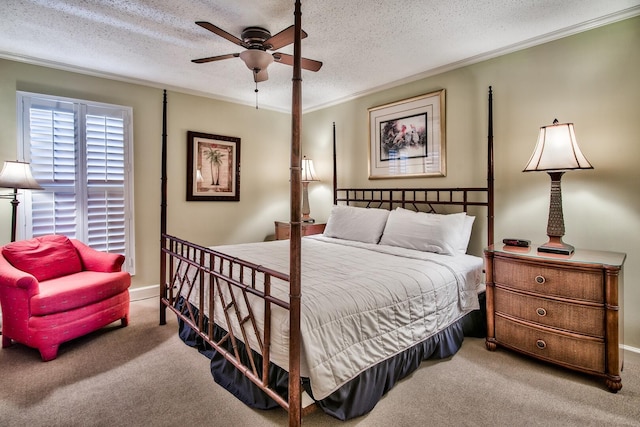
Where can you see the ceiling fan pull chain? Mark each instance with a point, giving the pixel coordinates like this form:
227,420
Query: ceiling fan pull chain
255,73
256,96
256,91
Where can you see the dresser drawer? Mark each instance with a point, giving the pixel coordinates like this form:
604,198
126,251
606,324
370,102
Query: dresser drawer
581,353
582,284
283,232
583,319
283,229
309,229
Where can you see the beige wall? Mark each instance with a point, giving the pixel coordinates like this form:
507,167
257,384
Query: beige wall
265,141
590,79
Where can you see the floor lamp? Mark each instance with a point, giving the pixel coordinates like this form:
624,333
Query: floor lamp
308,175
556,152
16,175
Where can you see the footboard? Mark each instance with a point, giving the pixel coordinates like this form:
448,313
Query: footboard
219,286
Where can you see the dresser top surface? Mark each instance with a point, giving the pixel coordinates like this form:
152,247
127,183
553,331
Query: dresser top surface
580,256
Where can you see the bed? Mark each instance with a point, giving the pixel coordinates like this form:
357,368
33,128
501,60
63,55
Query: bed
333,320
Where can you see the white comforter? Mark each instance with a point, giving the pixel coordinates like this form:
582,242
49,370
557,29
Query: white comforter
361,303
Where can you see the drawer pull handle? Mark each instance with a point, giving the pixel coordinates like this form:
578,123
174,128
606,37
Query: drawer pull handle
541,344
541,312
540,280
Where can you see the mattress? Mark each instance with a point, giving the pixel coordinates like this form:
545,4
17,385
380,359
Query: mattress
361,303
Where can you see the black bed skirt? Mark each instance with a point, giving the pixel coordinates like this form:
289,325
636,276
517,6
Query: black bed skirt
358,396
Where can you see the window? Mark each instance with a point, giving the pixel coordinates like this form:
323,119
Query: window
81,154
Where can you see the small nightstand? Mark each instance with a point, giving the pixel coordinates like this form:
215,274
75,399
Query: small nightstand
283,229
562,309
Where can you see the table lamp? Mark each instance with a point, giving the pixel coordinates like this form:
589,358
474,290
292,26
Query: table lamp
16,175
308,175
556,152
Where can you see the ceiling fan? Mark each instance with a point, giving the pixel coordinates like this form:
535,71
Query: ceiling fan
257,41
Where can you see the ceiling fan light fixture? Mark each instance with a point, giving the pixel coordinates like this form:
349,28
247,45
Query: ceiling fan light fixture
256,59
260,76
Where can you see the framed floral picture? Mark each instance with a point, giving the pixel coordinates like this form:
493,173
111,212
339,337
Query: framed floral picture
407,138
213,167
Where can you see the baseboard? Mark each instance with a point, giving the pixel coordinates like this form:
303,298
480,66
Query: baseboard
144,292
631,349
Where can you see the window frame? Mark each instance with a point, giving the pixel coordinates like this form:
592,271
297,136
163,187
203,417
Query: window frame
81,108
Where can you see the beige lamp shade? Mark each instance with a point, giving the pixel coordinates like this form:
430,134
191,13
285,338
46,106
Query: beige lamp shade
18,175
557,150
308,172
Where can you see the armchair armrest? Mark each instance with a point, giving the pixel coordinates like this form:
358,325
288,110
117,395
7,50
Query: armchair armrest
12,277
93,260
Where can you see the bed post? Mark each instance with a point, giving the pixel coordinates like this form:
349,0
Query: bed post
295,243
335,168
163,211
490,193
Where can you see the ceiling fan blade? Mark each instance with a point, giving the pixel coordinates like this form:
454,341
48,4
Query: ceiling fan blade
222,33
307,64
215,58
283,38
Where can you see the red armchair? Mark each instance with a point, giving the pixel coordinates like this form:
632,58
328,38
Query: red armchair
54,289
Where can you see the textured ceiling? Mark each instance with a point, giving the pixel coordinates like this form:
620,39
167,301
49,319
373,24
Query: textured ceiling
364,44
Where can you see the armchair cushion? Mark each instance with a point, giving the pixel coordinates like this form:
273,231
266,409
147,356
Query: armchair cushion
77,290
46,257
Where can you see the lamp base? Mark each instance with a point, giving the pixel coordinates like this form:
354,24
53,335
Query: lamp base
555,245
308,220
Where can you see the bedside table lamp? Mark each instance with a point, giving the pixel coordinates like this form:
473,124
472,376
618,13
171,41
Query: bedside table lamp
308,175
556,152
16,175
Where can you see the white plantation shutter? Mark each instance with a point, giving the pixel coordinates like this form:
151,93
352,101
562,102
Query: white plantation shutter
105,176
106,220
80,153
53,212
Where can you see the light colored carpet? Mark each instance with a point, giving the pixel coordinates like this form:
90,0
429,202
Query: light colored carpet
143,375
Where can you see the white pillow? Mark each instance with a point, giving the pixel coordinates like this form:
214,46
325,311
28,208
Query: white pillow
423,231
465,236
359,224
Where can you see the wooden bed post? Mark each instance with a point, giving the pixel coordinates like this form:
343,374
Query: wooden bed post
163,212
490,165
335,167
295,243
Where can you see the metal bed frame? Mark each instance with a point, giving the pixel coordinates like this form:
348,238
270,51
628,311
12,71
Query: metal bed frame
217,271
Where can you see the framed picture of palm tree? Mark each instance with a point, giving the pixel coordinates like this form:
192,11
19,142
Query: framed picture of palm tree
213,167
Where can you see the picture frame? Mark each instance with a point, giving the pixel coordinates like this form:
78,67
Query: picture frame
407,138
213,167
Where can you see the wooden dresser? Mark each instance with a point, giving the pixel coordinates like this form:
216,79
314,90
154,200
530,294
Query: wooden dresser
562,309
283,229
